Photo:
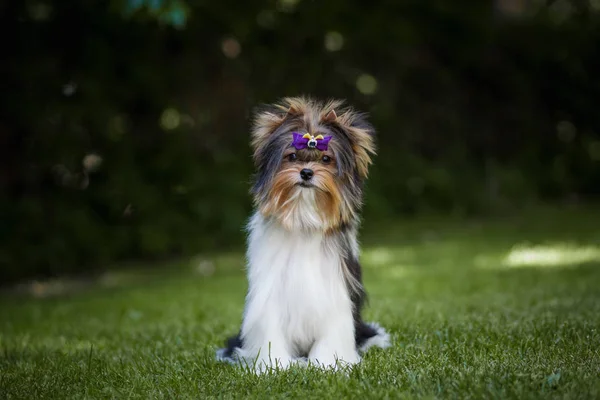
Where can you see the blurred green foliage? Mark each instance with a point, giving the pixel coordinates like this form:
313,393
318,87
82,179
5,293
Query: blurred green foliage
124,128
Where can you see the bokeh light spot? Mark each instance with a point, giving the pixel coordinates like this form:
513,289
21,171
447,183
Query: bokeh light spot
366,84
92,162
170,119
334,41
187,120
40,11
69,89
119,124
231,48
287,5
594,150
566,131
561,10
265,19
378,256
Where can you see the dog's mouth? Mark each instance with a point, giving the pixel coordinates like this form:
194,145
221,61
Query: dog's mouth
305,185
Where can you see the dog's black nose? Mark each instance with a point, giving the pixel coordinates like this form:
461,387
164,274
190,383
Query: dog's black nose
306,174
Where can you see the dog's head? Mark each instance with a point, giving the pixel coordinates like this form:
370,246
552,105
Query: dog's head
311,160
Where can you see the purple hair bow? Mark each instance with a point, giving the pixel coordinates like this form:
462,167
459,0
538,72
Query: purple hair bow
309,141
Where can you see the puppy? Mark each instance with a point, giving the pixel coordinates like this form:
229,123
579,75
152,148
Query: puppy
305,288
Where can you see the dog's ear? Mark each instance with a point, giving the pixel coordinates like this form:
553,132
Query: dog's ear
267,120
294,109
364,147
265,123
331,116
362,135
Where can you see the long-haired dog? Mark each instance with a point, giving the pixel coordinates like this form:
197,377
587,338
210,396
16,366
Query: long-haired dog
305,290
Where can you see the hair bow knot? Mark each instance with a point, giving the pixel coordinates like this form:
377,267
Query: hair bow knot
309,141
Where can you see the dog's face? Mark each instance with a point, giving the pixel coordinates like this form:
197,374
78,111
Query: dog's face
309,187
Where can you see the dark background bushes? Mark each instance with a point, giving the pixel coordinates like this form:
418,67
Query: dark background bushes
124,125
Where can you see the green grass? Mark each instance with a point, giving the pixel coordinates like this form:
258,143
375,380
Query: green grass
507,308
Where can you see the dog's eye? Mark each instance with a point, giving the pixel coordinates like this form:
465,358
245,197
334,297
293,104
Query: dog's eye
292,157
326,159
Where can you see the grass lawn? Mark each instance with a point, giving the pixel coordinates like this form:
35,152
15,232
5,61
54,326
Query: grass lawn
507,308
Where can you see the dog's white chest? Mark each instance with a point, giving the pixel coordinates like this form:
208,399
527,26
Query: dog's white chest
297,278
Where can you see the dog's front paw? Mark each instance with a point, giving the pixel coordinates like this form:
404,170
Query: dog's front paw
266,364
329,358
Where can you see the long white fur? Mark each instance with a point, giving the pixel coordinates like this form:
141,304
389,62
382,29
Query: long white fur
297,301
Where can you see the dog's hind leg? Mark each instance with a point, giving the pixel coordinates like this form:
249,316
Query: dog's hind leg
369,334
229,352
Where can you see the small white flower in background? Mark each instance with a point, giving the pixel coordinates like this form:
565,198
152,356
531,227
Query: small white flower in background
91,162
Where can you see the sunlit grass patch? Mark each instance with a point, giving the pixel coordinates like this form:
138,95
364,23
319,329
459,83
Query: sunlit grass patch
378,256
553,255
